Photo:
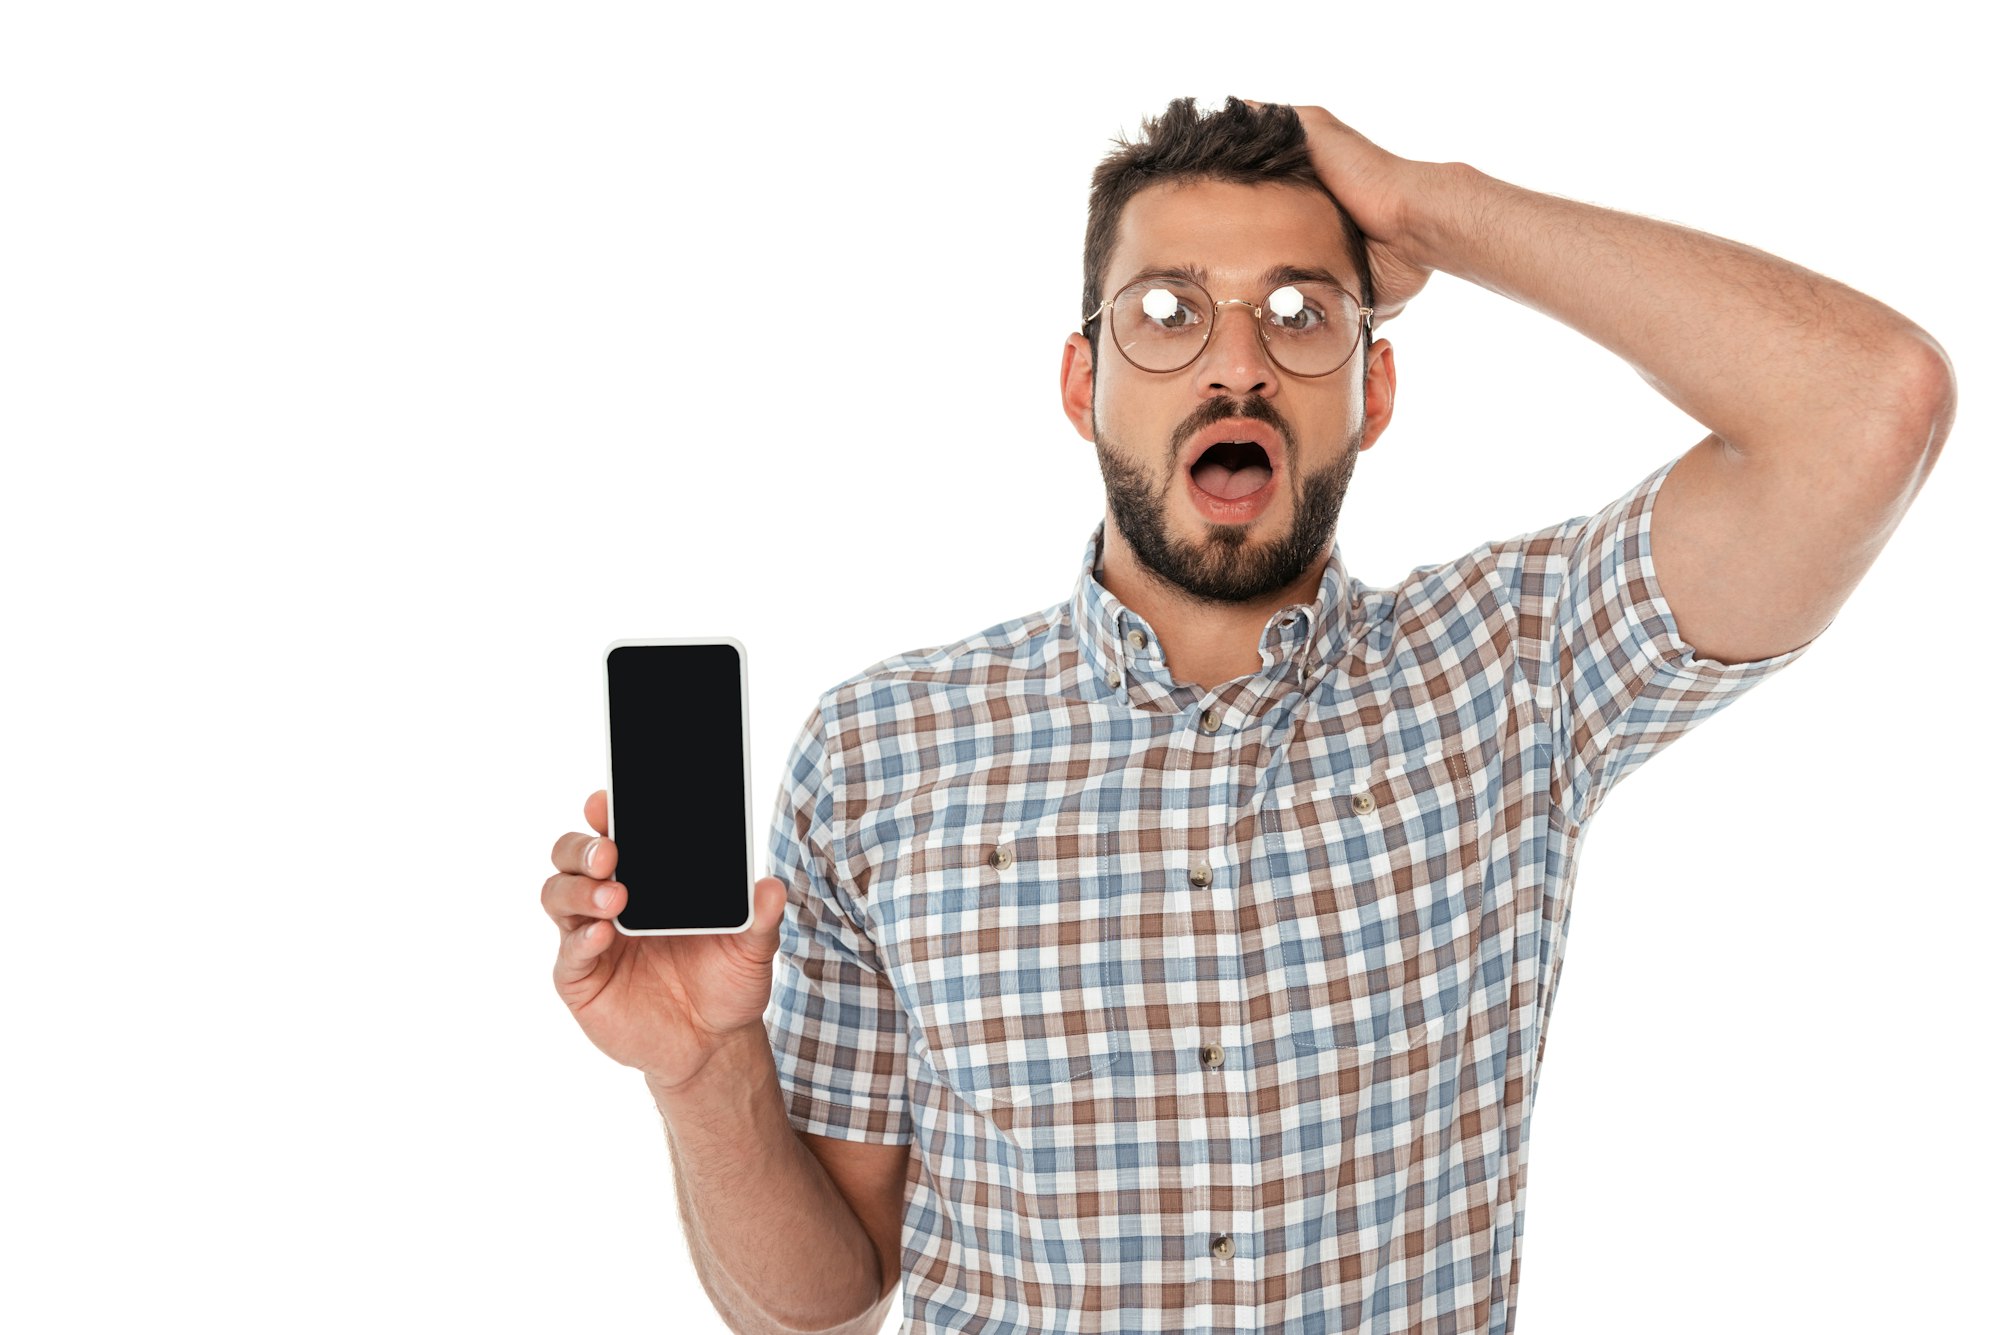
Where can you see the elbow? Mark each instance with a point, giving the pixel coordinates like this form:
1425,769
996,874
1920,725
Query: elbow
1924,398
868,1323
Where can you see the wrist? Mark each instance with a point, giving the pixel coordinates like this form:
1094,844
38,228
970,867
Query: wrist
737,1063
1437,198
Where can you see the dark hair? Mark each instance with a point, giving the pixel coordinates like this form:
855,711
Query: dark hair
1238,144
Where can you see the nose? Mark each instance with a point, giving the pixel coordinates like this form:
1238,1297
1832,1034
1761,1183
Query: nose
1235,359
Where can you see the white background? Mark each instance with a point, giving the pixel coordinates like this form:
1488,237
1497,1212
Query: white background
369,367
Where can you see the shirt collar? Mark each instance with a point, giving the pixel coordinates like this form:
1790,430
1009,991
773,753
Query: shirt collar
1122,654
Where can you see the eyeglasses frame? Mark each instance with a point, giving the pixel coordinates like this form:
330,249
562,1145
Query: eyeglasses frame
1366,329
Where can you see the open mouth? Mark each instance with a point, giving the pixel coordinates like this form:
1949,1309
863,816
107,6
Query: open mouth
1229,470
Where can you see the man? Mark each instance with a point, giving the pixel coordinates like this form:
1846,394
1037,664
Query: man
1180,957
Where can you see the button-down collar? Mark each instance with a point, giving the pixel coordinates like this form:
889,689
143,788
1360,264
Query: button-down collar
1122,651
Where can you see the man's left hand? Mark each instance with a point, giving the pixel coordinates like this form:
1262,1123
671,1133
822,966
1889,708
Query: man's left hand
1375,187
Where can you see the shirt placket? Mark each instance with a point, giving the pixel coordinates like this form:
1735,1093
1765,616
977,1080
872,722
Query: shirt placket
1215,1101
1209,1010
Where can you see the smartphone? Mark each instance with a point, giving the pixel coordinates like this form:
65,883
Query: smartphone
677,730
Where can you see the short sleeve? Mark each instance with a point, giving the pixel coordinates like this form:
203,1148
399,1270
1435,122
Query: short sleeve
837,1031
1625,683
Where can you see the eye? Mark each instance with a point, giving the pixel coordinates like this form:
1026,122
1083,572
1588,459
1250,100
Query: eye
1291,311
1165,307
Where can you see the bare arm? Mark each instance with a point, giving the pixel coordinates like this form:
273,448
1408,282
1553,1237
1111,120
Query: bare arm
1825,408
776,1244
774,1239
1770,356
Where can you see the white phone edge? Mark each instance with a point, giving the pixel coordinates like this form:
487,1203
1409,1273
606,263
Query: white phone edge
749,839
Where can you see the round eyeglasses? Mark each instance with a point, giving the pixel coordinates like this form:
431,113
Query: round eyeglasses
1310,328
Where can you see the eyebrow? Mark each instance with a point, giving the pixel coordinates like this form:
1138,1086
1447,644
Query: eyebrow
1274,276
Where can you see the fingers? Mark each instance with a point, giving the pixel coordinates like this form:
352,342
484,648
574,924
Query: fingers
585,944
577,956
595,856
585,855
582,894
568,898
582,886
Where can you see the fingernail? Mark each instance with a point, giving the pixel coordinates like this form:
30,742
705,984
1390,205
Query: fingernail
603,896
589,852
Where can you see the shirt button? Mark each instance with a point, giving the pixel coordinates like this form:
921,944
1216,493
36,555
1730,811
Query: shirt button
1211,1055
1201,875
1362,804
1136,638
1211,719
1222,1248
1003,857
1116,681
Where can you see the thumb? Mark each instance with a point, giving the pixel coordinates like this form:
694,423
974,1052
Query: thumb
761,939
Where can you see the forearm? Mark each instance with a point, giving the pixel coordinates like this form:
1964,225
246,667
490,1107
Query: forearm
776,1244
1766,354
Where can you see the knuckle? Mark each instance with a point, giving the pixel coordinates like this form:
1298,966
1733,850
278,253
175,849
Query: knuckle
560,895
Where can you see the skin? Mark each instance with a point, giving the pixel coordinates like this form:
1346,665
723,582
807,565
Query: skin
1209,589
1758,535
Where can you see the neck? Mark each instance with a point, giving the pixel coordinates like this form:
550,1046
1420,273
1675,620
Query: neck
1205,643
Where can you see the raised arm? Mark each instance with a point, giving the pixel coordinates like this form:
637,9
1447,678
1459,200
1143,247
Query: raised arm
1826,408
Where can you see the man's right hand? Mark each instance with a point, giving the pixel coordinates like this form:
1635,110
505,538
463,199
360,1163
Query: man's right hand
661,1004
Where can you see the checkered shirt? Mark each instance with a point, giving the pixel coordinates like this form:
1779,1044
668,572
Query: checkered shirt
1220,1009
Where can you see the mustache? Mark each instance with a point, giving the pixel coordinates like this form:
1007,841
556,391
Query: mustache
1221,410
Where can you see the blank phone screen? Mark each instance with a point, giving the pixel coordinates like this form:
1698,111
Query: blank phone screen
679,785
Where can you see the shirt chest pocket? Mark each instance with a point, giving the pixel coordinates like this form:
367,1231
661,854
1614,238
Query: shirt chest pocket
1008,954
1378,879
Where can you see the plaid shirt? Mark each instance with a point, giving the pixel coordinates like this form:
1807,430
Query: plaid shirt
1222,1009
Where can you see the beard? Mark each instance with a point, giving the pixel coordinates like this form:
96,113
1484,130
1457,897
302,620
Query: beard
1229,563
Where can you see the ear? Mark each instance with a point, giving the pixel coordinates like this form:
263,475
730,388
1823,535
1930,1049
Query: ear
1378,388
1078,381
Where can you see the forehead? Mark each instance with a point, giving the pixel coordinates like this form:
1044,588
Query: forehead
1233,233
